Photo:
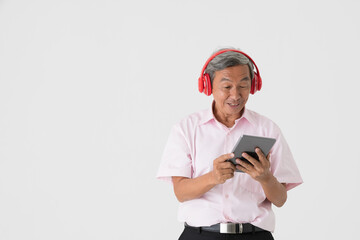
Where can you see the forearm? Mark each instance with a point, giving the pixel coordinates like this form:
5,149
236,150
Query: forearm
190,188
275,191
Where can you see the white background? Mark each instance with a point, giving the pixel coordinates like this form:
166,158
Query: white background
90,89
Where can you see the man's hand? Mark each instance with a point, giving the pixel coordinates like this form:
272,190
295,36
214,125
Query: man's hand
191,188
223,170
259,170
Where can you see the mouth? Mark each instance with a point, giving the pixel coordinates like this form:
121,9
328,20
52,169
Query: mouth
234,105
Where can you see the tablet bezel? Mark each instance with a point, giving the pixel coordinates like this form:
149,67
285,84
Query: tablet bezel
248,143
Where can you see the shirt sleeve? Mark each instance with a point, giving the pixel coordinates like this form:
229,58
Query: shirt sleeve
283,165
176,159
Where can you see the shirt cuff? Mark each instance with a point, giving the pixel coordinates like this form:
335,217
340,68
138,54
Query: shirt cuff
167,174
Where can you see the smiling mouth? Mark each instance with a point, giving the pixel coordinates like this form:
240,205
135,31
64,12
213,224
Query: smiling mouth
234,104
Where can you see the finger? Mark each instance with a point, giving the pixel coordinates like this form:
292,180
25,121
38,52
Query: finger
252,160
225,157
227,165
241,168
244,164
226,171
261,155
228,176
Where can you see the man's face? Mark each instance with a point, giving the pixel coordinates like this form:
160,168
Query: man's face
231,89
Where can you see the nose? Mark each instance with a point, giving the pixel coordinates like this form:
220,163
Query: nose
235,94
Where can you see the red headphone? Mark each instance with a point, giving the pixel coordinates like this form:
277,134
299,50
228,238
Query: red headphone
204,79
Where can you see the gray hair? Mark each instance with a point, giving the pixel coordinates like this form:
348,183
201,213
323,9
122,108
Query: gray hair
228,59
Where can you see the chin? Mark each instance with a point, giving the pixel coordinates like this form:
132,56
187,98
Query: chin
234,111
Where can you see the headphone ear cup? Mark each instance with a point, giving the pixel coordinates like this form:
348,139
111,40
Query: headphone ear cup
259,80
207,83
201,84
255,83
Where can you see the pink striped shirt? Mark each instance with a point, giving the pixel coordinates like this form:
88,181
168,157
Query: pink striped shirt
193,145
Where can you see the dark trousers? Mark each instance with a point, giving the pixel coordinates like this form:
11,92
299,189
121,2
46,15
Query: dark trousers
195,234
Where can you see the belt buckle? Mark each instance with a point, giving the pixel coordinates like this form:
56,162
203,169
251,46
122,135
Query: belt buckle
230,228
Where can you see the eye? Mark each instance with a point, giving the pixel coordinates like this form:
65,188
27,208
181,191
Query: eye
244,86
227,87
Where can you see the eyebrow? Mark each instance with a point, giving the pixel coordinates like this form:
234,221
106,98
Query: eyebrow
244,79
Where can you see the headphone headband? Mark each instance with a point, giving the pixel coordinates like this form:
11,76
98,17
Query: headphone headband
204,79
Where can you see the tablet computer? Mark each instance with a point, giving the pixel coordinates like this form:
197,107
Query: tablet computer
248,143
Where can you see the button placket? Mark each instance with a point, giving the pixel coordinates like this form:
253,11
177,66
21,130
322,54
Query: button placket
227,186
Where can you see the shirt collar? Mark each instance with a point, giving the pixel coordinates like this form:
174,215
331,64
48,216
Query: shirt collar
248,116
209,116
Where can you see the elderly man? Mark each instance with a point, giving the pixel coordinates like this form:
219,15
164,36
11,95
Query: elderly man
215,200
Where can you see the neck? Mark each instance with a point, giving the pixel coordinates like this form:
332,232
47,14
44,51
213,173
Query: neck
226,119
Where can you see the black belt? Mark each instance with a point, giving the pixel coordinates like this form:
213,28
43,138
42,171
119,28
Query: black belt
231,228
